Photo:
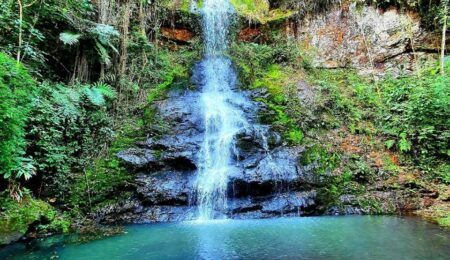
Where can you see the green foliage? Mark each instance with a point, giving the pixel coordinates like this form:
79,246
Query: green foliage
444,221
257,10
171,72
38,19
415,113
67,126
106,180
70,38
267,67
104,37
325,162
345,96
251,60
16,217
295,136
16,92
411,112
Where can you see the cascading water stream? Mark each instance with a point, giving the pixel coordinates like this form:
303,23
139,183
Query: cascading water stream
223,118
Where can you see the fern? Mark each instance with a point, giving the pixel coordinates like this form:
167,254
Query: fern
103,53
404,144
69,38
105,35
94,96
106,90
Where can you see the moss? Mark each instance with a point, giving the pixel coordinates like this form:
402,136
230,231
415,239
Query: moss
346,97
274,80
325,161
371,205
295,136
107,178
176,73
254,10
389,166
259,11
444,221
181,5
271,67
174,70
17,217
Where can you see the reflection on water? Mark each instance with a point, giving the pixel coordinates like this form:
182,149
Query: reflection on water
212,244
368,237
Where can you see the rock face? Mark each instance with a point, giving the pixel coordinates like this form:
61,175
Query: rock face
177,34
374,41
267,179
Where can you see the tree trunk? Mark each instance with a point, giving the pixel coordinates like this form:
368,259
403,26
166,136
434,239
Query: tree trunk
124,39
444,31
19,2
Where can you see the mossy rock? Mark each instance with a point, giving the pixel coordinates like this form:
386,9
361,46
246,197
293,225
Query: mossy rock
255,10
181,5
259,11
16,217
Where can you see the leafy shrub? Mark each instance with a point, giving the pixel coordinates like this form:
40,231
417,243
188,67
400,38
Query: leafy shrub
106,180
415,113
68,126
16,92
251,60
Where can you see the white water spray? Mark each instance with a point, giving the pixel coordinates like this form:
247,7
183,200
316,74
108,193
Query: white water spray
223,118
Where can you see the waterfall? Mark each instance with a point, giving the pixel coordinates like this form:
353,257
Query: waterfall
223,118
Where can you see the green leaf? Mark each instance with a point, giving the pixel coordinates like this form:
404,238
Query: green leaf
69,38
389,144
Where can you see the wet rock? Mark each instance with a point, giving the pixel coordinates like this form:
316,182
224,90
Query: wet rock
127,211
278,204
138,158
290,202
9,238
181,111
243,205
279,165
348,199
131,211
165,188
261,182
167,214
345,210
306,94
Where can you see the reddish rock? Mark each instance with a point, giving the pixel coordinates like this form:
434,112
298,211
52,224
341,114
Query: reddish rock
249,34
374,41
176,34
428,202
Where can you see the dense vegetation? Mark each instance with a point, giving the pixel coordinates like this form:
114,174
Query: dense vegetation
78,80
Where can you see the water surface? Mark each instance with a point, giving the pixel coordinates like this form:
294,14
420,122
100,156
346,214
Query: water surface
368,237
